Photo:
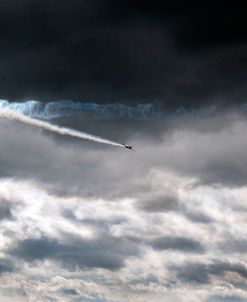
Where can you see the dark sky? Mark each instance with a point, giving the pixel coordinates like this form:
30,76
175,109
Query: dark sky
125,51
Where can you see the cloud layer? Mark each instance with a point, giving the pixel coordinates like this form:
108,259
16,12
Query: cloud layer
86,222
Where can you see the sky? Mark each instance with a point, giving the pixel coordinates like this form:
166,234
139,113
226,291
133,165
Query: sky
82,221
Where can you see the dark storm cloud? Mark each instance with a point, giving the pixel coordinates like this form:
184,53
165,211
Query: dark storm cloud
125,50
103,252
182,244
201,273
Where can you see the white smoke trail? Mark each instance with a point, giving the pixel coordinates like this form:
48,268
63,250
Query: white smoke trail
57,129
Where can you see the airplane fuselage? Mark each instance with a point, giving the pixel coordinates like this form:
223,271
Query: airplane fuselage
128,147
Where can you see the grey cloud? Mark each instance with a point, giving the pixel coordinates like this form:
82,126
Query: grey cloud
194,154
145,281
193,273
153,203
51,299
69,214
225,298
233,244
223,172
70,291
13,292
182,244
91,299
5,210
67,166
160,203
6,266
101,224
198,216
104,252
36,249
200,273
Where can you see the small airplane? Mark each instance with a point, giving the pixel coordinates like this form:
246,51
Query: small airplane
128,147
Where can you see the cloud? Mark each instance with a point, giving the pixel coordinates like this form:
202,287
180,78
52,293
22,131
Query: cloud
218,298
94,170
104,252
6,266
182,244
194,154
70,291
108,216
132,52
5,210
233,244
92,299
92,243
197,216
166,222
158,203
201,273
153,203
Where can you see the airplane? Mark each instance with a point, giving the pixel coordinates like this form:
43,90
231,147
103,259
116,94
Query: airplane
128,147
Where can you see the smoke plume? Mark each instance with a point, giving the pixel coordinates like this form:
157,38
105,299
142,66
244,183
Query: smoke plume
54,128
